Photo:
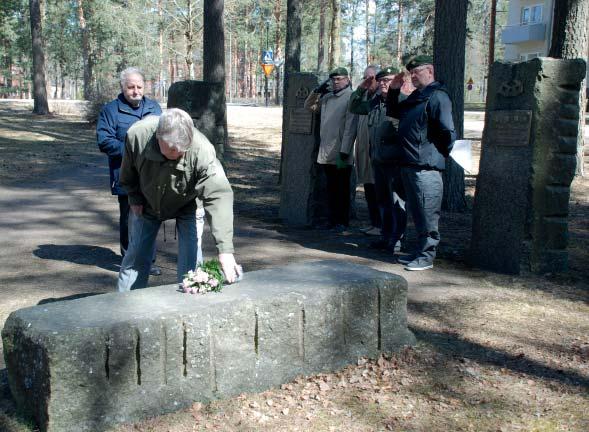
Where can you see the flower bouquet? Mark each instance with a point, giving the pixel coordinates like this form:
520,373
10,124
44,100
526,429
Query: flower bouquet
207,277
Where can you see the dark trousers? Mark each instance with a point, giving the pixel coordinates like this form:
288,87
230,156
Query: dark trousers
387,180
338,194
424,195
123,222
373,210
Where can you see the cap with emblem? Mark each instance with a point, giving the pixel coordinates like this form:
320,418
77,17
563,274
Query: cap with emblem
340,71
390,70
419,60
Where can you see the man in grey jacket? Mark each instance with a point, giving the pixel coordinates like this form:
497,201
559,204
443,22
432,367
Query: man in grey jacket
167,165
338,132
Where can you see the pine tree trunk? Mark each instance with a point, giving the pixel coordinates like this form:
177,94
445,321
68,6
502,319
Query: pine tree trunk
367,26
292,61
449,56
334,41
39,84
321,39
213,42
278,44
570,40
86,57
160,49
400,31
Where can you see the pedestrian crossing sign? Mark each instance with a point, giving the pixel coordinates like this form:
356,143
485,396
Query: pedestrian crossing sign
267,57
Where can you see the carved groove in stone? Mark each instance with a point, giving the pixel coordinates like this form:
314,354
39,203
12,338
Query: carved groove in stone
256,340
107,358
164,357
302,334
378,328
138,356
212,366
184,349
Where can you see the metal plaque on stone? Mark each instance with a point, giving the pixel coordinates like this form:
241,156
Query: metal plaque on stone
301,121
510,128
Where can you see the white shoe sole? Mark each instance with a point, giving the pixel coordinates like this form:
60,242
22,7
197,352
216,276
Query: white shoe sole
419,268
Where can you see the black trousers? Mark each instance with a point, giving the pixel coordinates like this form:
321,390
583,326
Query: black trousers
123,222
373,210
338,194
387,180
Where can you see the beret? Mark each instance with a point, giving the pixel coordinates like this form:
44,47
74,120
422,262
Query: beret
340,71
390,70
419,60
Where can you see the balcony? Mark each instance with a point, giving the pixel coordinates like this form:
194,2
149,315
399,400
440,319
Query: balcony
523,33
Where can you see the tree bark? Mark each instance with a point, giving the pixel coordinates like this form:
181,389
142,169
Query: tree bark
449,56
292,61
278,44
39,84
213,42
570,40
86,57
367,26
400,13
321,39
334,42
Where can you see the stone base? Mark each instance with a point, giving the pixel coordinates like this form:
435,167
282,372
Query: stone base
91,363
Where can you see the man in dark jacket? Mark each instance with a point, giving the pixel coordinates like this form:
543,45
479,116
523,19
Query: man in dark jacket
385,152
426,134
115,119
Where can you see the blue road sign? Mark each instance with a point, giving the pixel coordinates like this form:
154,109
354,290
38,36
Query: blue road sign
267,57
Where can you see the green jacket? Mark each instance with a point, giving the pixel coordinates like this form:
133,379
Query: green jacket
168,189
383,136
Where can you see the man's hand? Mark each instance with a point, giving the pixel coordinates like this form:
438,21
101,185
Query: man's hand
397,81
231,269
137,209
323,88
367,83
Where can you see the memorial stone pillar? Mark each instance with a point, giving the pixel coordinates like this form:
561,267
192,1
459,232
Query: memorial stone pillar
302,180
205,102
528,160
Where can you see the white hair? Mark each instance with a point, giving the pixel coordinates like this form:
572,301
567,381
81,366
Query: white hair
175,127
130,71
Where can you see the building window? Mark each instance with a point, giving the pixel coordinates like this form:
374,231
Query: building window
531,14
529,56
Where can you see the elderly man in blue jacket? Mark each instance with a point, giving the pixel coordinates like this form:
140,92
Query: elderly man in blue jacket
115,119
426,135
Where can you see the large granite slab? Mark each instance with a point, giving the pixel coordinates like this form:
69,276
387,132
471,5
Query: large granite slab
90,363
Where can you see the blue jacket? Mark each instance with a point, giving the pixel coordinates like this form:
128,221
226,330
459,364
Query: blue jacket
115,119
426,128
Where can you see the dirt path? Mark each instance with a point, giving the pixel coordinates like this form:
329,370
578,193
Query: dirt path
495,352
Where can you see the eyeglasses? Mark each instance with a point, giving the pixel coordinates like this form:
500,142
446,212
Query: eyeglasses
385,80
338,78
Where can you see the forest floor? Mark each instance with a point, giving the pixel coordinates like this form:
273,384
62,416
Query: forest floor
494,352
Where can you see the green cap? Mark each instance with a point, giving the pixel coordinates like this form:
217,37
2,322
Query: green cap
419,60
340,71
389,70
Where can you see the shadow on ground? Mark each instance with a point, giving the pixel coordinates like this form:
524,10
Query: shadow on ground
80,254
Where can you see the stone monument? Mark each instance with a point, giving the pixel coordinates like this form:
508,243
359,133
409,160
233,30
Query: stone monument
205,102
91,363
528,161
302,180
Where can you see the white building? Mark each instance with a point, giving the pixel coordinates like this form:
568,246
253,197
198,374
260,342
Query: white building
529,29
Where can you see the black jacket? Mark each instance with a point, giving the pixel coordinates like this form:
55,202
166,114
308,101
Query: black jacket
426,129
